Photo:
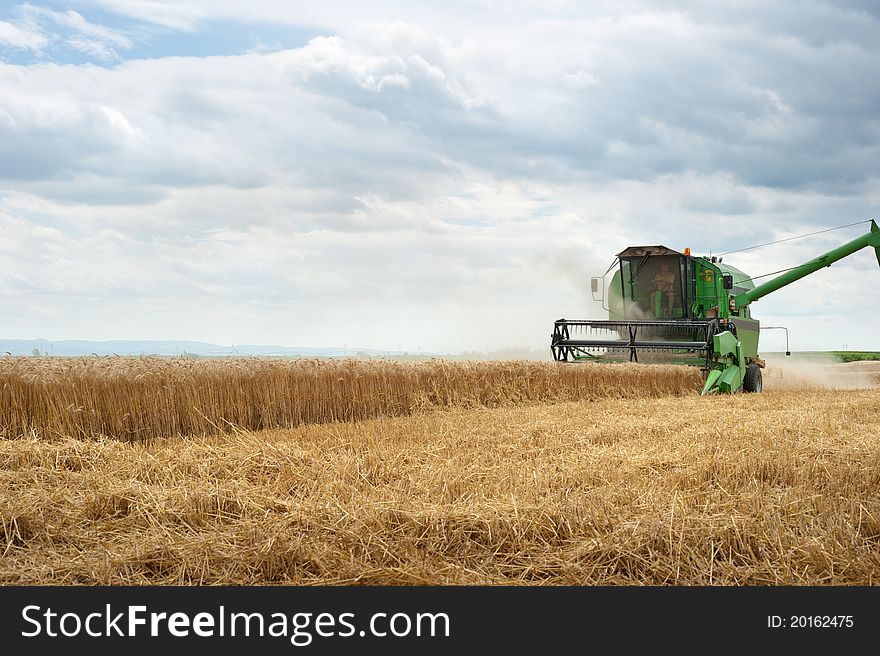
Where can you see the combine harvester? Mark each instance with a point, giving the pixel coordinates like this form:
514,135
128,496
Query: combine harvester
690,310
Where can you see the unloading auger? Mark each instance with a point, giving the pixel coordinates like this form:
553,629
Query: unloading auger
685,309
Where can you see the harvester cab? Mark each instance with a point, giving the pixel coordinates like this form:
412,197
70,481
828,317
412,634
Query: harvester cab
669,306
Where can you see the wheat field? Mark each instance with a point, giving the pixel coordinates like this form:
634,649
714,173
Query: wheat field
776,488
144,398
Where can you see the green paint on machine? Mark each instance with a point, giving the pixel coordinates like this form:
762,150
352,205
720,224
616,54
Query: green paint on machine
669,306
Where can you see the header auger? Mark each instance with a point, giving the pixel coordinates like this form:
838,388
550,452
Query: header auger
677,308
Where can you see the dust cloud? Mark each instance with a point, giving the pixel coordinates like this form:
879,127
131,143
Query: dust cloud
809,371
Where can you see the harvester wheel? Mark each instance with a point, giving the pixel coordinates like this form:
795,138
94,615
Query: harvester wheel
753,382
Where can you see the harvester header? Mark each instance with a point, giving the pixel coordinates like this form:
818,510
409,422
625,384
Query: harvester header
670,306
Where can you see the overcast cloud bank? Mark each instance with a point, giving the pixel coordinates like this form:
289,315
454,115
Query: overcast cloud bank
422,178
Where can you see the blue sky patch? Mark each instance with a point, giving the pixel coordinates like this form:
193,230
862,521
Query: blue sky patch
49,33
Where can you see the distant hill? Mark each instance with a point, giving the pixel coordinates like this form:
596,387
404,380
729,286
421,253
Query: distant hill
72,347
173,347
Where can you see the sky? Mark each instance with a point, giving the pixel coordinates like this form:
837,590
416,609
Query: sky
423,176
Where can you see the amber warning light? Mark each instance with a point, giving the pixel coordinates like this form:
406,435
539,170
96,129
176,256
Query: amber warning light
687,251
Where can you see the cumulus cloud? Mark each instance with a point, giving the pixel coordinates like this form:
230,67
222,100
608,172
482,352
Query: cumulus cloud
422,180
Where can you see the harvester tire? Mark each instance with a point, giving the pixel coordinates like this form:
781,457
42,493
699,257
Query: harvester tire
753,381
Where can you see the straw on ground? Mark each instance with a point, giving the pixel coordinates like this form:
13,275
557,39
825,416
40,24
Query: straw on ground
778,488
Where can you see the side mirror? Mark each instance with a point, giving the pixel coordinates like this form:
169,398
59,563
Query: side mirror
727,281
597,287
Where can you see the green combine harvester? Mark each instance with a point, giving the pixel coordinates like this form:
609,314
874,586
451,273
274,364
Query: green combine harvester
685,310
